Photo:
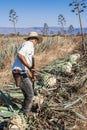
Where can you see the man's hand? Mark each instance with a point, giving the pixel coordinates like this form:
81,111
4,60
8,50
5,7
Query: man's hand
34,79
31,74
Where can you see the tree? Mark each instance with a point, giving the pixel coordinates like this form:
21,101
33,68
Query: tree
51,32
61,21
70,29
45,29
78,8
13,18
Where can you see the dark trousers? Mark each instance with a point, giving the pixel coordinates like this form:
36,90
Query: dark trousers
26,86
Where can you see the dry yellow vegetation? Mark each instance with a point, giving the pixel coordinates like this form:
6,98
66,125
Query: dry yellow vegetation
52,48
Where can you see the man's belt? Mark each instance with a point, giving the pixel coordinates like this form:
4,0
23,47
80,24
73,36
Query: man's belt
18,71
22,73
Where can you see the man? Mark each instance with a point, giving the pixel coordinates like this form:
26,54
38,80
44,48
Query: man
22,69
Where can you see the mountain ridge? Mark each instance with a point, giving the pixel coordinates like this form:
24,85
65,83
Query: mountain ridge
26,30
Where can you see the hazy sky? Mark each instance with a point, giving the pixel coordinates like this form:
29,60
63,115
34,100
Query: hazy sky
34,13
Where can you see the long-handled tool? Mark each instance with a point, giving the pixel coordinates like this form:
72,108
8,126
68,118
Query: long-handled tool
33,74
33,67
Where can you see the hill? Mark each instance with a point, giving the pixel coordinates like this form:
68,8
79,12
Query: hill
51,30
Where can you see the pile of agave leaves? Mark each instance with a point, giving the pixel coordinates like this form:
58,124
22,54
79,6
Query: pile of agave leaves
58,83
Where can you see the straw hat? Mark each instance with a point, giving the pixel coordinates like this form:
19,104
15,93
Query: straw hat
34,35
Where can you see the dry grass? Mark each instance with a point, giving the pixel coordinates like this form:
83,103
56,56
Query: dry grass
57,51
61,47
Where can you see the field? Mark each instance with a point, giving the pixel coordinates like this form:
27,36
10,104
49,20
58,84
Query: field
69,87
63,45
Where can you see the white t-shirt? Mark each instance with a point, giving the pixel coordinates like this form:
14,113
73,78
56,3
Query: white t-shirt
27,50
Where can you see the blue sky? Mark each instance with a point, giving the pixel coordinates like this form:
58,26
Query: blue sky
34,13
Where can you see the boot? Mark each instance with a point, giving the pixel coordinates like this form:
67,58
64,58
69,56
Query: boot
26,108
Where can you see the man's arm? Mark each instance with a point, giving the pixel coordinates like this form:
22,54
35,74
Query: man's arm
24,61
